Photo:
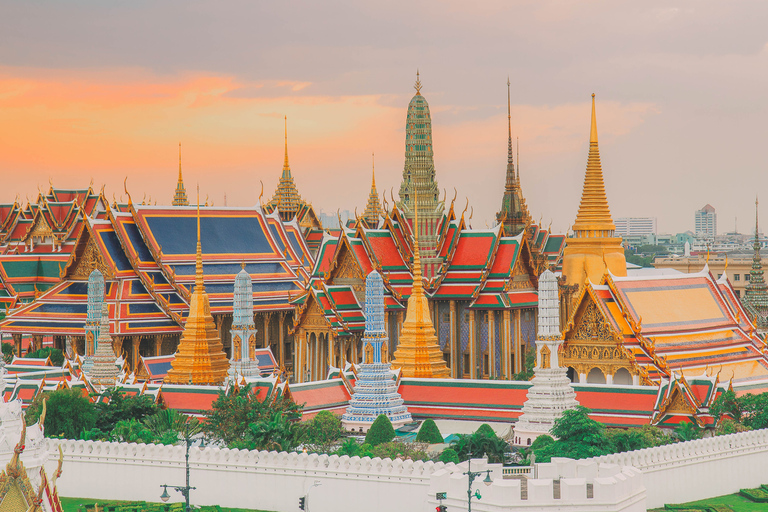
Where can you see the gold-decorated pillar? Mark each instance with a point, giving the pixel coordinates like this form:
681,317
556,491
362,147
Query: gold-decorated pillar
281,338
492,343
473,348
455,360
506,367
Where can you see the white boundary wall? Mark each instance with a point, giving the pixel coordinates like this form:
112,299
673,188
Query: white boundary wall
275,481
695,470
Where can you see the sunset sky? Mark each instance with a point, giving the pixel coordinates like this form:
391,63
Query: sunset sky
105,90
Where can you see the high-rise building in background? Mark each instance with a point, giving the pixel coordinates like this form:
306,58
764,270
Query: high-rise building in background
635,226
705,221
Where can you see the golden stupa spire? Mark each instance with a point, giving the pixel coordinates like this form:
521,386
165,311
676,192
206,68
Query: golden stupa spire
417,85
418,353
373,210
593,249
180,197
373,171
286,166
594,216
200,357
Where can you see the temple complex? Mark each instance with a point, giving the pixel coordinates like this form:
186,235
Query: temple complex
419,190
514,212
756,295
180,196
200,357
418,353
593,246
551,393
375,389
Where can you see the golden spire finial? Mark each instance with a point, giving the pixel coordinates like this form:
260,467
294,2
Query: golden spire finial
593,219
417,288
417,85
199,282
286,167
509,113
593,129
180,162
373,171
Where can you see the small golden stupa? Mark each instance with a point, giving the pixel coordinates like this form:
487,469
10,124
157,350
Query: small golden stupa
200,357
417,353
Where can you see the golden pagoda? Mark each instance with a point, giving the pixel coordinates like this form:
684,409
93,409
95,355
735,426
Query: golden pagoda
200,357
418,353
593,246
180,197
373,211
286,200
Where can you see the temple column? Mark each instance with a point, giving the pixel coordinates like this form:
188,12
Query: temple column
473,349
318,340
506,367
455,360
17,344
517,334
609,379
158,345
281,339
135,341
582,378
298,366
37,342
492,343
266,330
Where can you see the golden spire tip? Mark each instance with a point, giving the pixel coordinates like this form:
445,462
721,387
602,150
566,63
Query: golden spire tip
593,128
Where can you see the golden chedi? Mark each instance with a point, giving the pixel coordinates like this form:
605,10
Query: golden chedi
200,357
418,353
593,246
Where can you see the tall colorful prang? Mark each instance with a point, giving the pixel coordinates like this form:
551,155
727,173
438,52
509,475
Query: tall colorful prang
375,390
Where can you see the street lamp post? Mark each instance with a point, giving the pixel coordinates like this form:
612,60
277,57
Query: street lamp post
471,475
185,489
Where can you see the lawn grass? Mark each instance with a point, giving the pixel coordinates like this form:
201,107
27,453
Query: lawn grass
73,504
737,502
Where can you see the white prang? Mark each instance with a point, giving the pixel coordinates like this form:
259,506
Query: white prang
551,393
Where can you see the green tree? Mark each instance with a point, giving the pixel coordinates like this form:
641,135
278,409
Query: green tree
8,352
647,436
116,406
530,363
169,426
323,431
273,433
56,355
754,410
578,437
726,403
482,443
449,455
132,431
230,418
349,447
687,431
729,426
429,433
68,413
381,431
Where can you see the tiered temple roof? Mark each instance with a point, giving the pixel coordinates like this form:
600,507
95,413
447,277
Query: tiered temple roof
147,256
180,196
660,324
373,211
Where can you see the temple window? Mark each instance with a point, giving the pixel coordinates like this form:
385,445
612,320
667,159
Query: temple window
622,376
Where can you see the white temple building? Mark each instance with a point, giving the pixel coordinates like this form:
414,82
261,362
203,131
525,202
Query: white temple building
551,393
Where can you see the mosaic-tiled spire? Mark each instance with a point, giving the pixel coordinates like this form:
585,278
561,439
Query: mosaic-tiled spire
757,291
243,328
93,312
419,179
375,390
514,212
286,200
104,372
180,197
200,357
373,211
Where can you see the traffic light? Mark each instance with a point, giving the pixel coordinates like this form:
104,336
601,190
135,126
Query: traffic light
301,503
441,508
